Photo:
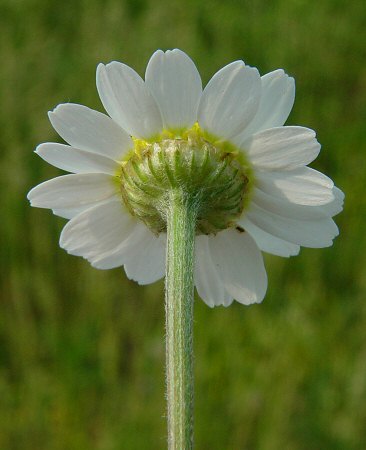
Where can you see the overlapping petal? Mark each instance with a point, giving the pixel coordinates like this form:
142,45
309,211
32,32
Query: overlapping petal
267,242
282,148
275,222
230,100
335,206
176,85
147,264
90,130
240,264
209,283
304,186
277,99
118,256
72,191
69,213
308,233
74,160
127,100
98,231
282,206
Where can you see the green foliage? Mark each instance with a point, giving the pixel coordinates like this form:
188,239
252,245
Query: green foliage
82,351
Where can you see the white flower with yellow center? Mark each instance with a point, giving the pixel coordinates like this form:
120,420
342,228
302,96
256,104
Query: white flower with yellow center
225,144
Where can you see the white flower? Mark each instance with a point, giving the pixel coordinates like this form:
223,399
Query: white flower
289,205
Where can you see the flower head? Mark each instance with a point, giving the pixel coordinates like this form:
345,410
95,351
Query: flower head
226,143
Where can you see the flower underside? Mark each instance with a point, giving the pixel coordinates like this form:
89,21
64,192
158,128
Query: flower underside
211,172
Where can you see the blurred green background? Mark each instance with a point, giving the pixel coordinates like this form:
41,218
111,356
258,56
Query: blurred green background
82,350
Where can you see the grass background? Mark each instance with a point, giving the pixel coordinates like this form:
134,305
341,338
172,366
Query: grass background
81,350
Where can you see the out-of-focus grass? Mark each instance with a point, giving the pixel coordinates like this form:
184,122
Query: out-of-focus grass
81,350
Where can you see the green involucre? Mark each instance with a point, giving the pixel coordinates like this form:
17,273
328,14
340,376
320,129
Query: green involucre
212,171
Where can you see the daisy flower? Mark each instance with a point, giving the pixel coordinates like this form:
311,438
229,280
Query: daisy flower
227,140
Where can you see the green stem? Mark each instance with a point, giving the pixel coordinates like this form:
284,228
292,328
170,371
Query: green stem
179,284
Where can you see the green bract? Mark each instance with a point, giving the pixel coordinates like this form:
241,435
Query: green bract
208,170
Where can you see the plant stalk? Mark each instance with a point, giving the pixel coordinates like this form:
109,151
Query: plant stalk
179,287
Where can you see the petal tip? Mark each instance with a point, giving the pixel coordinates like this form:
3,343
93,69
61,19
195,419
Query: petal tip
30,195
101,68
57,110
160,52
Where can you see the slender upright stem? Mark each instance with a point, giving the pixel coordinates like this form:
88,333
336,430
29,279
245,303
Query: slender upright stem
181,225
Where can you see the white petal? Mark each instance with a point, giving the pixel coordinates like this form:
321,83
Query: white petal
176,85
69,213
230,100
267,242
308,233
127,100
90,130
139,235
71,191
283,207
278,95
147,264
74,160
335,207
310,226
97,230
209,284
240,264
303,186
282,148
338,194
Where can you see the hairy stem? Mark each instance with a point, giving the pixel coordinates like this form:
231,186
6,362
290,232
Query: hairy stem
179,283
